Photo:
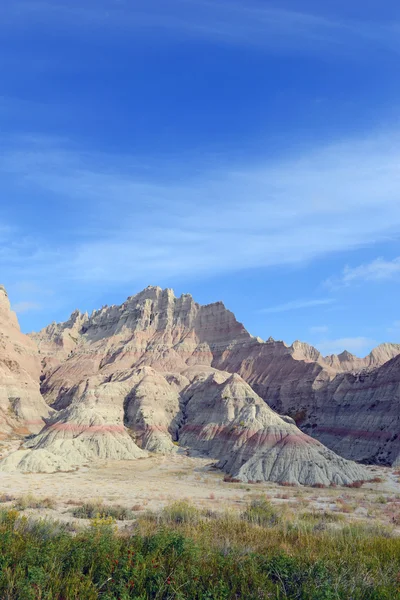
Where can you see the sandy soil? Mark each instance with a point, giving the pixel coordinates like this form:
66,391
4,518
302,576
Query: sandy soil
153,482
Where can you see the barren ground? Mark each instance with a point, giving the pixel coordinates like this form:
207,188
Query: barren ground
154,482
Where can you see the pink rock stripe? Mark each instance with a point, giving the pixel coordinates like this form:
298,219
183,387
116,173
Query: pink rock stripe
75,428
251,436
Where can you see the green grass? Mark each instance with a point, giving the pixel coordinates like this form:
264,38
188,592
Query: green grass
261,512
183,553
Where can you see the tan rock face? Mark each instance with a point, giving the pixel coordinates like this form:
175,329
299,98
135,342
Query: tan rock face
22,407
152,328
210,412
158,369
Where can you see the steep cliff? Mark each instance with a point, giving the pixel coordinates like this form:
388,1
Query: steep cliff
22,408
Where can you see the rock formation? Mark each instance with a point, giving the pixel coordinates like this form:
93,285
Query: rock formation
225,419
354,412
210,412
361,414
160,370
22,408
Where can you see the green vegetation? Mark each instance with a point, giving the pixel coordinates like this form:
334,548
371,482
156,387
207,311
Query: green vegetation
91,510
185,553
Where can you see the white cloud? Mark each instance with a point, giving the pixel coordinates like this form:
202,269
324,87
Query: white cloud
133,229
297,305
377,270
319,329
25,306
360,346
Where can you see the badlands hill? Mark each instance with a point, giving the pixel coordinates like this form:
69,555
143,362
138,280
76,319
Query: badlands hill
159,372
351,405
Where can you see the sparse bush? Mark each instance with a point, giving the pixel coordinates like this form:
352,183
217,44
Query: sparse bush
381,500
30,501
230,479
95,510
6,498
179,512
261,512
327,517
356,484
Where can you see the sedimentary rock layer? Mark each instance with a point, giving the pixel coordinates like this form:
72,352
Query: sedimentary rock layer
329,397
22,408
206,411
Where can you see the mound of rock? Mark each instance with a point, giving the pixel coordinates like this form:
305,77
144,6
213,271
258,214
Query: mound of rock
91,428
160,370
156,329
22,408
226,420
211,413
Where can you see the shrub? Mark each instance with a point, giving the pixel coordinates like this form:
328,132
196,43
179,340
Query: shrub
230,479
326,517
261,512
179,512
355,484
30,501
96,510
6,498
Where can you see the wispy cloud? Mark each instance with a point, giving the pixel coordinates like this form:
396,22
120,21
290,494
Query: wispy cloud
297,305
25,306
241,22
360,346
127,225
319,329
377,271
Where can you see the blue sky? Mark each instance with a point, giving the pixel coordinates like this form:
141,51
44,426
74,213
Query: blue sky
240,150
